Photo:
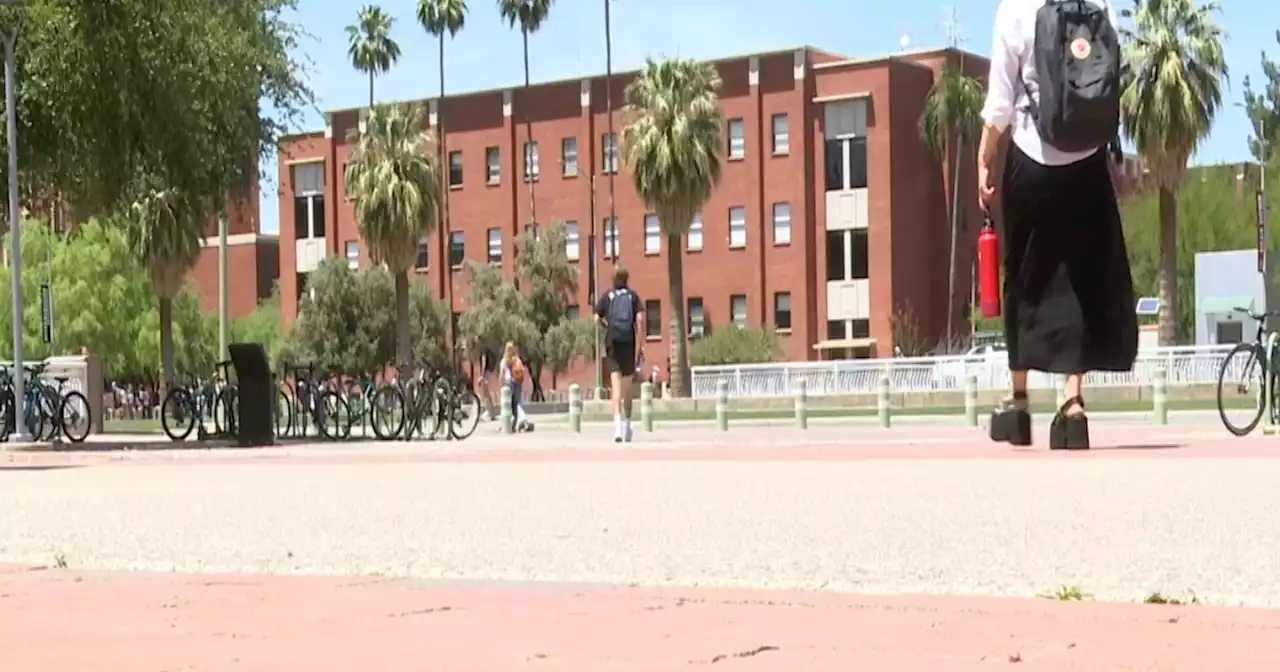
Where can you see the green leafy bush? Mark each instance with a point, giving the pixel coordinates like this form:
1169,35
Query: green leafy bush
732,345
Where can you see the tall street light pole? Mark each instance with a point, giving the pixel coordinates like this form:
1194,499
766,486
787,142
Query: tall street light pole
20,433
224,319
610,232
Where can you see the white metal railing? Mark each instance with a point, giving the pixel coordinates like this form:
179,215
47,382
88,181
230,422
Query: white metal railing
1184,365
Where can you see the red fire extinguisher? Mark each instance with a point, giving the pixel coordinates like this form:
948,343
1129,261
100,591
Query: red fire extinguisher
989,269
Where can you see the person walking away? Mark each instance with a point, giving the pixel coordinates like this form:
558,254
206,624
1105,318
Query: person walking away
1068,293
488,367
622,313
513,375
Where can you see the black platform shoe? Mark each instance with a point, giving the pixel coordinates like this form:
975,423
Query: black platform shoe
1069,432
1011,421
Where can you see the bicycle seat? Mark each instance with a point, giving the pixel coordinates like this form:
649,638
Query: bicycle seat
61,379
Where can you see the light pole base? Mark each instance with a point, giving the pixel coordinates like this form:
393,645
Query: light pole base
21,442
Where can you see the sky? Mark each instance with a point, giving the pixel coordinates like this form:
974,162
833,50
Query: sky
487,54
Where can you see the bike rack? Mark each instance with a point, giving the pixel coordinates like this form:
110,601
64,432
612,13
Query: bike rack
1268,378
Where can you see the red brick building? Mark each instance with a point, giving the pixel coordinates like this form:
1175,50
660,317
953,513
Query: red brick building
253,260
830,217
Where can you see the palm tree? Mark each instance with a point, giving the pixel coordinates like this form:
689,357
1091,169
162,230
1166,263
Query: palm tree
672,144
951,119
1171,89
529,14
369,43
165,231
393,179
439,17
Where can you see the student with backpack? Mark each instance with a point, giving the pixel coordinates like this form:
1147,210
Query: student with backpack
622,313
1054,87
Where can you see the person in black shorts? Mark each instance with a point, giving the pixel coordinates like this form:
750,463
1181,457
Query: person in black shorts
621,312
488,367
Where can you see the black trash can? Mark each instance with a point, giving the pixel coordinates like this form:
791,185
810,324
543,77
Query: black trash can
255,394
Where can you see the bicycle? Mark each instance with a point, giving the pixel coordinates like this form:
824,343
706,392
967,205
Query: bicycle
1245,363
48,411
444,398
310,396
186,407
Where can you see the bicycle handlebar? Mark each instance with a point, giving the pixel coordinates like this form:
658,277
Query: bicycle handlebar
1257,316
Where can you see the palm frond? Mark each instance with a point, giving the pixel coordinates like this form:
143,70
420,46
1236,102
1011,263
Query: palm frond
442,16
952,111
528,14
369,43
165,232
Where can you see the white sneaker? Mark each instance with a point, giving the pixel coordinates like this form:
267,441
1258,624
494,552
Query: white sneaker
626,435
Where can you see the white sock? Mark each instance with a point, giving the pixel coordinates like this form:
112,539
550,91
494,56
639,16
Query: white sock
617,422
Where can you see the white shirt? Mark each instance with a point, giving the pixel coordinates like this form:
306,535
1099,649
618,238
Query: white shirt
1012,63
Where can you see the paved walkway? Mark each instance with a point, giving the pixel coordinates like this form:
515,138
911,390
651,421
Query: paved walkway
58,621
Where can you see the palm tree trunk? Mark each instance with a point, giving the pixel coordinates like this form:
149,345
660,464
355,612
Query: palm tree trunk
404,346
528,136
951,272
371,90
679,373
166,346
446,275
1168,266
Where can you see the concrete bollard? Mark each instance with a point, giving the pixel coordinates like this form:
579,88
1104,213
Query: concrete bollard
575,408
802,404
882,402
506,419
646,406
722,405
971,400
600,394
1160,397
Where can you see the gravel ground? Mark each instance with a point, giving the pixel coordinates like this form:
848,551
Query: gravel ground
1118,528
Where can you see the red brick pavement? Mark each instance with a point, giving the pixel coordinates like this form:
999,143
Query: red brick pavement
60,621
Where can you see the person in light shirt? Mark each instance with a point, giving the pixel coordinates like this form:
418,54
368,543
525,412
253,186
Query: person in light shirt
1068,293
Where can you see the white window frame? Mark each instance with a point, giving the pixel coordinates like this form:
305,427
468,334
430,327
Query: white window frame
308,183
781,133
609,153
738,140
448,255
652,234
532,167
493,240
776,296
782,223
569,156
492,165
572,244
693,241
461,169
697,327
423,244
353,254
611,241
733,310
737,226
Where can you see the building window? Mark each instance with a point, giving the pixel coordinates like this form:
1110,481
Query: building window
353,255
573,312
495,245
652,234
781,134
610,237
847,255
571,242
846,163
737,139
652,318
737,226
609,153
738,310
531,161
457,248
697,319
455,169
308,200
694,242
422,259
569,156
860,328
782,223
837,330
492,165
782,311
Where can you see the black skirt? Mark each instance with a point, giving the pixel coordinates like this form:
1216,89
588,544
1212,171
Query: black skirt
1069,303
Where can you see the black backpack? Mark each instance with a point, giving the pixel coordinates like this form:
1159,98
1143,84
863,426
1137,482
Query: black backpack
621,314
1077,53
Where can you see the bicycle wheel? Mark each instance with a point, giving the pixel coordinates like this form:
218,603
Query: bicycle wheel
178,414
33,418
6,412
464,414
387,413
224,412
49,403
74,416
284,413
332,415
1240,389
358,404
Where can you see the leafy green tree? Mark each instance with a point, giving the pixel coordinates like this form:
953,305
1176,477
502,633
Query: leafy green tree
437,18
496,313
430,318
370,46
951,120
736,345
529,15
261,325
1264,110
1171,92
330,330
551,281
393,178
565,343
672,144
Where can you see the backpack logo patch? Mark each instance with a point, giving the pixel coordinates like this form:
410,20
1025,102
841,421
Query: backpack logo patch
1080,48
